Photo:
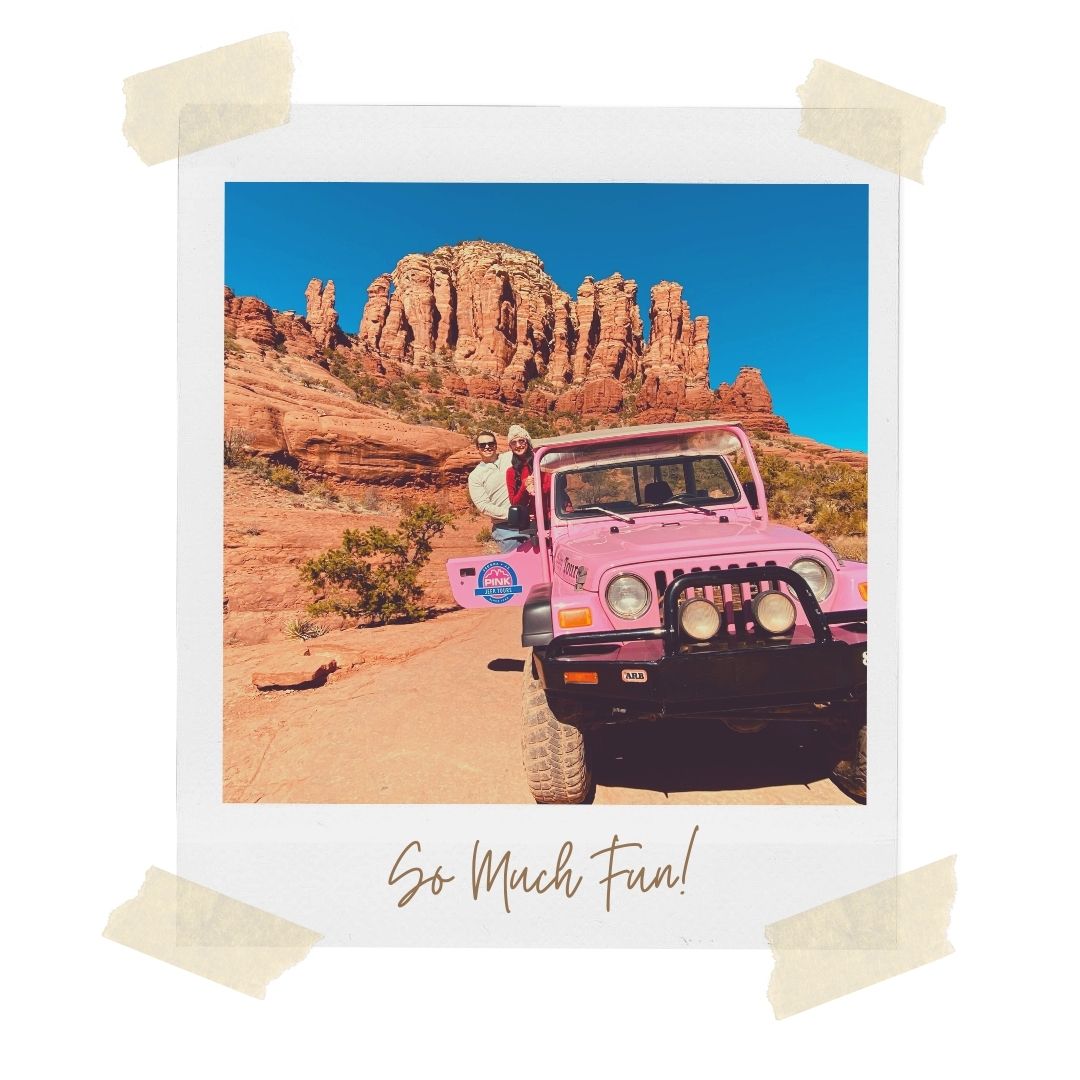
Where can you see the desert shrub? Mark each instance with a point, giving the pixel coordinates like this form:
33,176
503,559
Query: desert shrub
371,499
324,491
830,518
373,574
283,477
849,547
831,498
304,629
484,535
364,387
260,467
235,441
232,346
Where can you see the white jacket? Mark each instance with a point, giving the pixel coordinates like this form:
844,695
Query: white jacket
487,487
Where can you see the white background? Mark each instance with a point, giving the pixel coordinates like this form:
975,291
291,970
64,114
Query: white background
987,752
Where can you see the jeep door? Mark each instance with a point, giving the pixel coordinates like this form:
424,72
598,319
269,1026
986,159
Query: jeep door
503,578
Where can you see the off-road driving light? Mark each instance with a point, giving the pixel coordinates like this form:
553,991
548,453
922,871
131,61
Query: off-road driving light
699,619
816,574
774,612
628,596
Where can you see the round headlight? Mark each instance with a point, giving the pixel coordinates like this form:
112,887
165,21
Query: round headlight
628,596
816,574
774,612
699,619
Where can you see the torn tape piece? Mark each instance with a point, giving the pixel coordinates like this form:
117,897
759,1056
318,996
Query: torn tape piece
212,935
861,939
242,88
867,120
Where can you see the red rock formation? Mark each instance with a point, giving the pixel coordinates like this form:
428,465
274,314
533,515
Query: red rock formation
495,326
748,394
482,386
588,320
414,285
375,311
327,432
249,319
678,344
618,345
564,338
570,400
294,334
395,334
601,396
322,317
446,324
538,402
661,397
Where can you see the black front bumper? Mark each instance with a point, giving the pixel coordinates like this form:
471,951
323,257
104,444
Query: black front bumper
646,674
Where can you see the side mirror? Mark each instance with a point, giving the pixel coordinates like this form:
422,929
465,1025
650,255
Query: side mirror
750,487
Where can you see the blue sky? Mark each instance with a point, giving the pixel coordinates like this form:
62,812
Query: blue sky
781,270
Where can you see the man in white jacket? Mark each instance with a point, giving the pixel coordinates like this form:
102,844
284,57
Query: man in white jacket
487,489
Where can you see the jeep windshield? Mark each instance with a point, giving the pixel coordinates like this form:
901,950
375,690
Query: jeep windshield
644,486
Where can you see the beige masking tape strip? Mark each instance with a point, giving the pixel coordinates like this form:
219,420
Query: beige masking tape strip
232,943
242,88
843,110
861,939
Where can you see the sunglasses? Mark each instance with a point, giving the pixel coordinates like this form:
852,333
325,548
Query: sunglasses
486,445
519,442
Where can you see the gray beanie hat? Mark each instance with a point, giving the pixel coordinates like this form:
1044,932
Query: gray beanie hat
518,432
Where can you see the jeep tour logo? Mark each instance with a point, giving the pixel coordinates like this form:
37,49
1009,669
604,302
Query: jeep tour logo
573,572
497,582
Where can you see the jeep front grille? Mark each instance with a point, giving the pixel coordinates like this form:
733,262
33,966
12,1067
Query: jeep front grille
734,601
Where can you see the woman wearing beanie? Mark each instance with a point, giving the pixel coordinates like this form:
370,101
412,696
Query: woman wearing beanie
519,476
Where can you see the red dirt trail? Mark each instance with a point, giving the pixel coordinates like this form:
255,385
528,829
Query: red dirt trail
429,713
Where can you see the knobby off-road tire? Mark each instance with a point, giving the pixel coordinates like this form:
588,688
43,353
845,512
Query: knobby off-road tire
553,752
850,774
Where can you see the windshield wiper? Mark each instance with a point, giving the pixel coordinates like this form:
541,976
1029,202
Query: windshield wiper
610,513
678,501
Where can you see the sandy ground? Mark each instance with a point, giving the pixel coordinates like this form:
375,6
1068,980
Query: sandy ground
429,713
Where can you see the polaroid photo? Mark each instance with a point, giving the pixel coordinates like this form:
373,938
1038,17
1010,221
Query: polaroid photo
533,464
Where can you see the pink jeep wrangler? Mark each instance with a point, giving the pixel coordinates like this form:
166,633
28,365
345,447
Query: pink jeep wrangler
655,588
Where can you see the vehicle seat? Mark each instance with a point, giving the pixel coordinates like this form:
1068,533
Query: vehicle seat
659,491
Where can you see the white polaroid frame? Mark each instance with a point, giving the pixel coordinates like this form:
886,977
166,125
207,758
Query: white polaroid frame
326,867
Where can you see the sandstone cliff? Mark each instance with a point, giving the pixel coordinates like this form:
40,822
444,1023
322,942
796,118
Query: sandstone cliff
495,327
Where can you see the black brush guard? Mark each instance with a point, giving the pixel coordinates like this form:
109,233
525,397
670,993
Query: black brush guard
747,671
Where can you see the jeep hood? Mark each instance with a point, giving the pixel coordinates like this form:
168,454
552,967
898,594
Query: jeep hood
695,541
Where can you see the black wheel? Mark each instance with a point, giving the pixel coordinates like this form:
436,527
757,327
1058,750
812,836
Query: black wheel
556,764
849,775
